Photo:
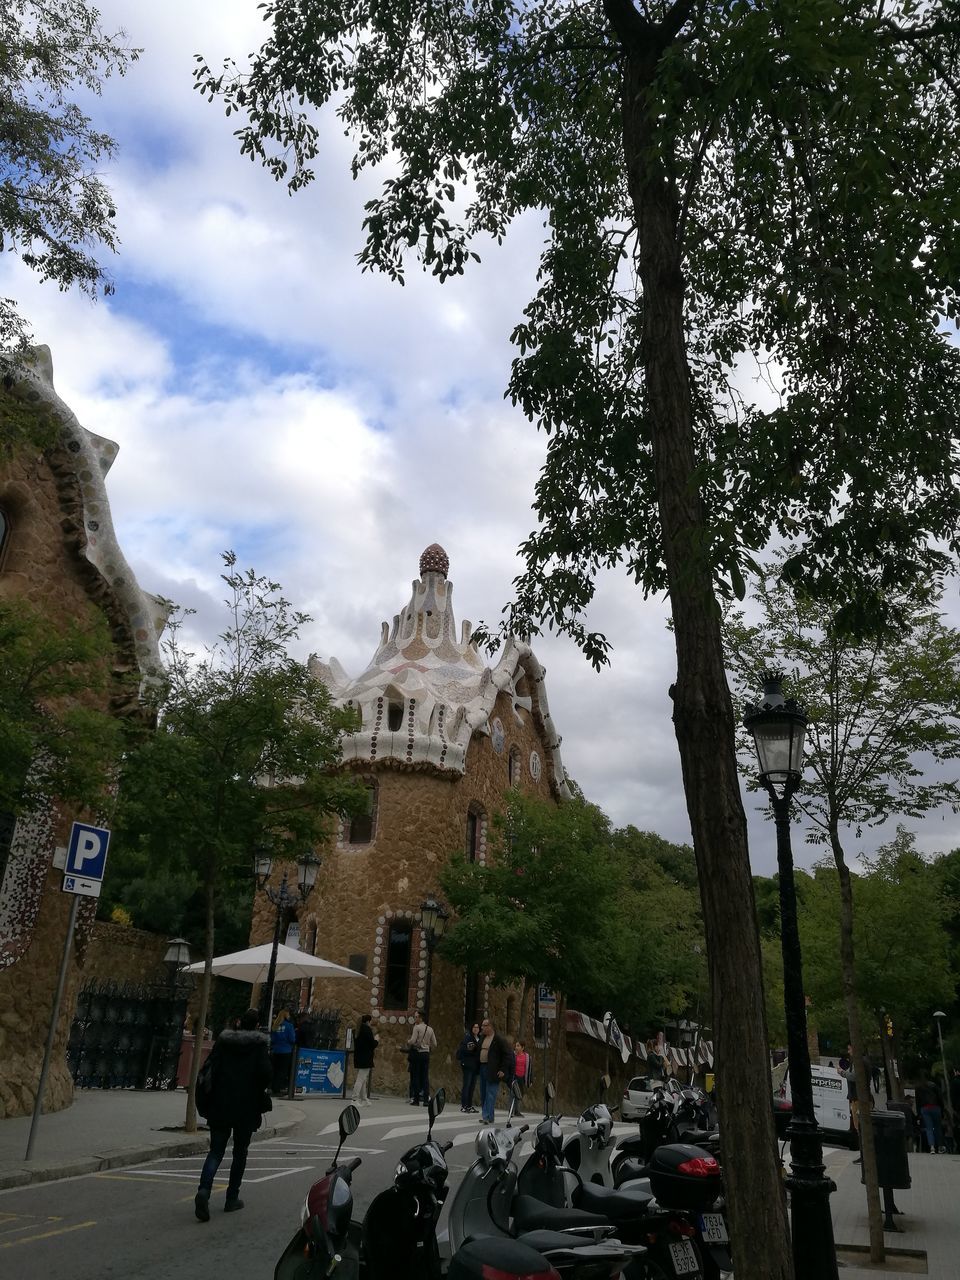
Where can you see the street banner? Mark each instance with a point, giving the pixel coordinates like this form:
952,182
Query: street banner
615,1036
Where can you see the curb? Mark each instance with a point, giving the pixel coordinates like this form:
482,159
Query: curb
25,1175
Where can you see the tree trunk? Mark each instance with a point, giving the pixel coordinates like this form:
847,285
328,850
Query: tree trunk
190,1123
703,715
848,980
522,1020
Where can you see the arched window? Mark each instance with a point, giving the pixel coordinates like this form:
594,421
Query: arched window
476,831
396,979
513,767
360,829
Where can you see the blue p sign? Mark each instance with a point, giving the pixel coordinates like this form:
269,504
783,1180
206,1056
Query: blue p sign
87,851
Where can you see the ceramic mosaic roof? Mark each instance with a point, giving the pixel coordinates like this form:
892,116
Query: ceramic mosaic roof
426,691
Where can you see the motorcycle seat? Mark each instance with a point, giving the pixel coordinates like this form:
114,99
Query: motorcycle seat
549,1241
618,1206
633,1144
534,1215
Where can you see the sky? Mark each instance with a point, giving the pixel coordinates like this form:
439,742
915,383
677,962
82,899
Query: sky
327,425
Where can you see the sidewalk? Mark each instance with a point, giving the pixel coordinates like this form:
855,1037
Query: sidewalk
106,1128
930,1221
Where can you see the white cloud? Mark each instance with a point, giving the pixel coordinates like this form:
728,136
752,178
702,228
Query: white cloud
371,424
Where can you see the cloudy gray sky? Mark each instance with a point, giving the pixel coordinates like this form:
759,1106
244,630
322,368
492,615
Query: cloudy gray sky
328,425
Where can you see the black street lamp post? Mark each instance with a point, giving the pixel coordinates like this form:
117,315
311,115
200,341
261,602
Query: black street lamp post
176,957
284,899
778,727
433,922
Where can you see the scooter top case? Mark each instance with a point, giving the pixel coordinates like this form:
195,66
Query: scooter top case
506,1259
684,1177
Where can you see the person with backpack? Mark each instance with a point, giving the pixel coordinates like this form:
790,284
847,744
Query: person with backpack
232,1097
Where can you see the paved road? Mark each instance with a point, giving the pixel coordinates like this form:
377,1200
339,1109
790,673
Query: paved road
139,1222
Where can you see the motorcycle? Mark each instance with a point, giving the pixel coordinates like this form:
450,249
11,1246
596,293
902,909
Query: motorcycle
665,1219
486,1204
326,1243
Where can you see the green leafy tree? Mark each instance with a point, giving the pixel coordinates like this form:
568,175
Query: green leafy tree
882,710
57,738
544,906
55,208
722,182
244,757
901,940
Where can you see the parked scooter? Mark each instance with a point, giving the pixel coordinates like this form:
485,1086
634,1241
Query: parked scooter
577,1243
664,1219
325,1245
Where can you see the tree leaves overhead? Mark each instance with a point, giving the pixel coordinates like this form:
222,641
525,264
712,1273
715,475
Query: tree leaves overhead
55,209
884,711
811,148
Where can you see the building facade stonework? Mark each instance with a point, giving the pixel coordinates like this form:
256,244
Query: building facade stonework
442,739
58,551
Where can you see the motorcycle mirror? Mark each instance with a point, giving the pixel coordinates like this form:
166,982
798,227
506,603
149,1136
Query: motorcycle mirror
550,1091
348,1123
604,1084
439,1101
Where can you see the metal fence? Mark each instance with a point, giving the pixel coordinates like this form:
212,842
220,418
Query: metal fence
127,1035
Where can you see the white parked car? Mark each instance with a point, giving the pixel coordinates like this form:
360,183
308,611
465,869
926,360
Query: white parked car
638,1095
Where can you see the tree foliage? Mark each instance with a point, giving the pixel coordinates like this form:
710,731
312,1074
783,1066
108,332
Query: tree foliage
244,757
55,209
883,709
57,739
565,901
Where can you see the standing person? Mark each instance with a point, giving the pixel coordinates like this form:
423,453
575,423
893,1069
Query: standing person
930,1107
521,1069
240,1076
363,1050
654,1061
496,1065
283,1041
468,1055
421,1041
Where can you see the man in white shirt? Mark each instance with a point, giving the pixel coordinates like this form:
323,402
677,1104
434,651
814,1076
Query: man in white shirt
421,1041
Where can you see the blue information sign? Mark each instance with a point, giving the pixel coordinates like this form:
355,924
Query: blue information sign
321,1071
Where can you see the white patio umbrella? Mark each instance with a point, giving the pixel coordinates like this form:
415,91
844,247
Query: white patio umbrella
253,965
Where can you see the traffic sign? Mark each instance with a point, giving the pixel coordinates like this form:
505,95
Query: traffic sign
86,859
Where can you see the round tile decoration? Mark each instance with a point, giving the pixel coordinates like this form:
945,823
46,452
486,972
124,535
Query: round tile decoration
536,768
497,735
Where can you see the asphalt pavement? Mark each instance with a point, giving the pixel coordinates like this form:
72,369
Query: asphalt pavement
134,1217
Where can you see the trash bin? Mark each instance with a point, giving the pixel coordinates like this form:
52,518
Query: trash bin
910,1120
890,1143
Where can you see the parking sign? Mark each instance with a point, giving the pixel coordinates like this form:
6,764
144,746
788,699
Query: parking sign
86,859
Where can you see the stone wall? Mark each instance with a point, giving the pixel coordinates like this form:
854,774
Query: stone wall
44,561
120,953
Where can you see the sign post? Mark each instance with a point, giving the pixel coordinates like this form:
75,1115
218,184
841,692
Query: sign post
83,877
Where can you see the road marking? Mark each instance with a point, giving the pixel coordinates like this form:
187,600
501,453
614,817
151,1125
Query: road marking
45,1235
304,1148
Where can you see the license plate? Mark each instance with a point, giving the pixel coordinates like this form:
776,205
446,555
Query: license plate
683,1257
713,1228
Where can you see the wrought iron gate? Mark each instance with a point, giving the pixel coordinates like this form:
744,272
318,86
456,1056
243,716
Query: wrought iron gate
127,1035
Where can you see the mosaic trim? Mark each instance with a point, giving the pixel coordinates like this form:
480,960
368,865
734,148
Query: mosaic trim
418,961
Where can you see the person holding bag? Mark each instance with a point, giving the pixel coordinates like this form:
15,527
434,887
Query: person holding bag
232,1097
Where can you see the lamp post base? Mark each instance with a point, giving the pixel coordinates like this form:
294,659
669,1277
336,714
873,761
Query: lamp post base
814,1250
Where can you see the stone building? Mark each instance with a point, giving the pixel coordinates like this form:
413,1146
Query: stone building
442,738
58,551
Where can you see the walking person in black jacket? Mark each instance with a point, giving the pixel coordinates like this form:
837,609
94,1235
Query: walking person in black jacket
496,1066
240,1074
363,1050
468,1055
